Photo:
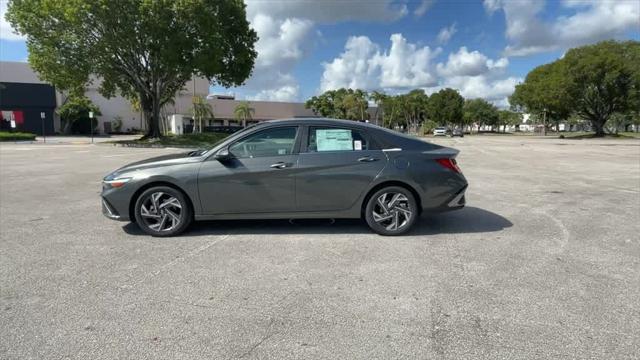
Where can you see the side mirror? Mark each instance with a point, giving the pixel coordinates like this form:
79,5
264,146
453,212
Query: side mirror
223,155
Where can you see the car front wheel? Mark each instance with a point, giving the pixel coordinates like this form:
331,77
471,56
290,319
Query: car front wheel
163,211
391,211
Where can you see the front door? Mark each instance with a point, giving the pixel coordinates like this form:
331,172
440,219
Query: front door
258,179
336,168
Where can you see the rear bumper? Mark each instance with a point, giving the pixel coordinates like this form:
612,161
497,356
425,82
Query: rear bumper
455,202
458,200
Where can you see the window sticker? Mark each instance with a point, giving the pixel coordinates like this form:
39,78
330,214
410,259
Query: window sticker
357,145
334,139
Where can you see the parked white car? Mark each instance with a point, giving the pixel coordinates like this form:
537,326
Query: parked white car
440,131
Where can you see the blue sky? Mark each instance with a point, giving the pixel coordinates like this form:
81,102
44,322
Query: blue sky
482,48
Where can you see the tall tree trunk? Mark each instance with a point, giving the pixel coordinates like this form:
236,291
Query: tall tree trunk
598,127
154,121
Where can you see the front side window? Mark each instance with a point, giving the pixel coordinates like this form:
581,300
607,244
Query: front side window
336,139
271,142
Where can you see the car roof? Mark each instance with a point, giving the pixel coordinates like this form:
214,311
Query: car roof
389,138
320,121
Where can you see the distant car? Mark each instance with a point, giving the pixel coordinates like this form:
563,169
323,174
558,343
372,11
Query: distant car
440,131
456,132
291,169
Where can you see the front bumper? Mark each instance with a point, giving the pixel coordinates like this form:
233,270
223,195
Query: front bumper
109,211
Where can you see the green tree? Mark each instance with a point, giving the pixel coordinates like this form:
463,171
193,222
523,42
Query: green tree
545,92
392,106
244,111
446,107
200,111
508,118
76,110
415,104
594,81
604,80
343,103
146,49
481,112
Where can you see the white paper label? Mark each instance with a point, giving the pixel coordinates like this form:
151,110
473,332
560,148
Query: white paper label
357,145
334,139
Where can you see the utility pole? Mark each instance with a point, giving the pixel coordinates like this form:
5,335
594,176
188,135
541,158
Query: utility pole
544,122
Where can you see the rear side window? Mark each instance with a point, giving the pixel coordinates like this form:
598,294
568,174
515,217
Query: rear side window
323,139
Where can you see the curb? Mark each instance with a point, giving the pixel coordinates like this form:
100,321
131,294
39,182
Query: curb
152,146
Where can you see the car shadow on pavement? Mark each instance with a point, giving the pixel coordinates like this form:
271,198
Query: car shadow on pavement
467,220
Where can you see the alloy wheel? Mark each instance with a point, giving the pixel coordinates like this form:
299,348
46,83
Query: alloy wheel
161,212
392,211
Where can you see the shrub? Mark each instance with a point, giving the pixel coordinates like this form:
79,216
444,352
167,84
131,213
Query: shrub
16,136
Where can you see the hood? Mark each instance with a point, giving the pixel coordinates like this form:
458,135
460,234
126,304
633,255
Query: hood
164,160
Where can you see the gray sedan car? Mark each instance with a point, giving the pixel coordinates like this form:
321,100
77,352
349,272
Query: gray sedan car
296,168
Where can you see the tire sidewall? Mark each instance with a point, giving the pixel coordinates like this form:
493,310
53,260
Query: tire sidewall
185,217
372,201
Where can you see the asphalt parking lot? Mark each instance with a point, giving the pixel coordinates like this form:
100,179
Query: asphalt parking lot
543,263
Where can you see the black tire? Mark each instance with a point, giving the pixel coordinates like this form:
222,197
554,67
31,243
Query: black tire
152,217
384,227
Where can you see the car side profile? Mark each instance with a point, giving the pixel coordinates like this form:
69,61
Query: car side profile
290,169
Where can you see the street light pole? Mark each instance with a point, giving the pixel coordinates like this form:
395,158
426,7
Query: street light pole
544,122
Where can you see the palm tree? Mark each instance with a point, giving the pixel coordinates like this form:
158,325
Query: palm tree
243,112
378,98
201,110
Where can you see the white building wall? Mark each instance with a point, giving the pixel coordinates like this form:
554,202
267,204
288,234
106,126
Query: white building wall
21,72
119,106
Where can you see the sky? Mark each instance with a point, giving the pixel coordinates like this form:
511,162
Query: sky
481,48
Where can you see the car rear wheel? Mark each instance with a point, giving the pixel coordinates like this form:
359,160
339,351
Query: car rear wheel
391,211
163,211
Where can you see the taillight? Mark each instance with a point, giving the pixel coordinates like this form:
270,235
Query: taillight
450,164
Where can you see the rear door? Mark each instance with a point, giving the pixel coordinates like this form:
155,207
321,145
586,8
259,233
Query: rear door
336,165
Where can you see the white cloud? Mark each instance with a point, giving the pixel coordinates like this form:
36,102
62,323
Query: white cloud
329,11
484,86
477,76
591,21
446,33
281,45
353,68
6,31
423,7
492,6
465,63
364,65
286,36
405,65
281,41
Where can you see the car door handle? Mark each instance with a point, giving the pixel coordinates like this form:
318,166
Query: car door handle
367,159
280,165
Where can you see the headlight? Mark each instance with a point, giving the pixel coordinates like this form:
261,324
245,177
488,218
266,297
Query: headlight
116,183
